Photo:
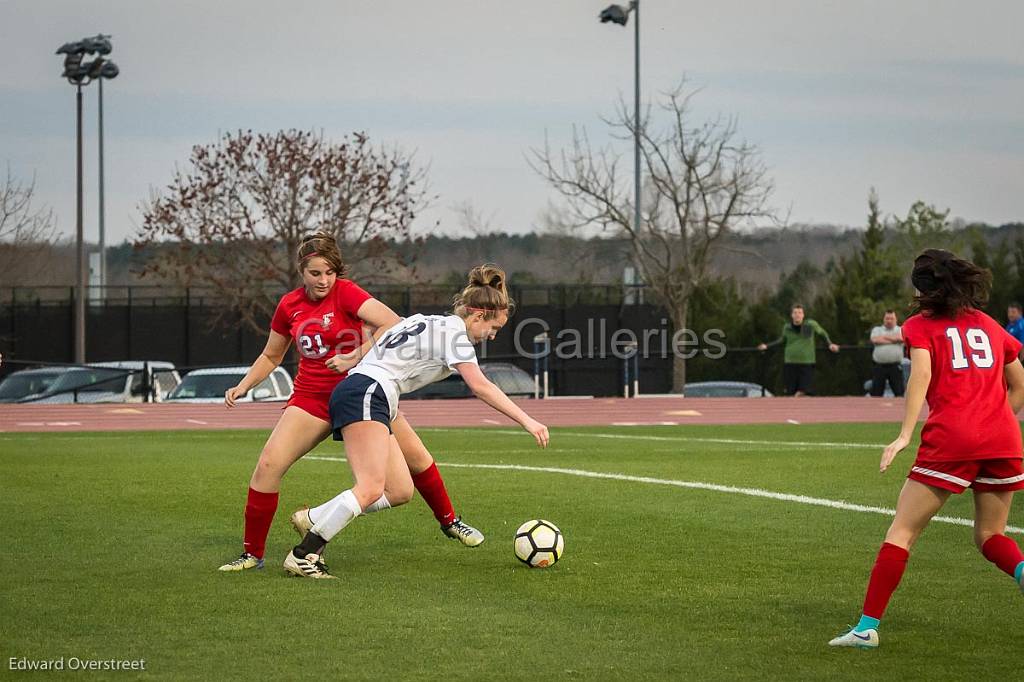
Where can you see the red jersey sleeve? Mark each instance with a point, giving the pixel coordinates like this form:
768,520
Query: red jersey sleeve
915,334
351,296
280,322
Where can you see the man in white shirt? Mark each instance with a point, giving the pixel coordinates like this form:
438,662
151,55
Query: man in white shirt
887,356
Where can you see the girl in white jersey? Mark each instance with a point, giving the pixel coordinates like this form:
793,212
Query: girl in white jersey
417,351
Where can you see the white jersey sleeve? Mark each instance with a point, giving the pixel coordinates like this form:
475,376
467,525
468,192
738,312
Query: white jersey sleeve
417,351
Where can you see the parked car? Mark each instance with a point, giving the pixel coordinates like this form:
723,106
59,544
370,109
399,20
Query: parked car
725,389
109,382
26,383
513,381
208,385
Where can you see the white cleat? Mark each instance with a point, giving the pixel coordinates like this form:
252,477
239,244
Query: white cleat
463,532
858,640
310,567
301,521
242,563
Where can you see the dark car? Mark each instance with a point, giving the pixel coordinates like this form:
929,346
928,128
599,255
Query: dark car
513,381
725,389
27,383
109,382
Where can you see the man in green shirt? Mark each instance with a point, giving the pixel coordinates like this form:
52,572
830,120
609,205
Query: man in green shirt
798,363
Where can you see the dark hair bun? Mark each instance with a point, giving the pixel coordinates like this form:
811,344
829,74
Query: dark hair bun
947,284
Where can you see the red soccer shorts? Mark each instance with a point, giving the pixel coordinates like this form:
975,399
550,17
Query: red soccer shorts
313,403
981,474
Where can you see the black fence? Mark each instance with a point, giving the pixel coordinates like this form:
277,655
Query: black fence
587,327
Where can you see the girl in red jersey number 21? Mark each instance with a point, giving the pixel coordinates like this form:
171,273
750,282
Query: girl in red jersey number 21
966,365
325,315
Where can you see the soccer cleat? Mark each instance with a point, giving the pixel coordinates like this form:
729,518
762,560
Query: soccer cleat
242,563
301,521
859,640
310,567
463,532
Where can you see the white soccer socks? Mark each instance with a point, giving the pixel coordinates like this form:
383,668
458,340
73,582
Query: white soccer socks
331,517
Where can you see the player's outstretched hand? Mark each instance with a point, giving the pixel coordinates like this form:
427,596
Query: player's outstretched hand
231,395
833,347
538,431
342,363
891,450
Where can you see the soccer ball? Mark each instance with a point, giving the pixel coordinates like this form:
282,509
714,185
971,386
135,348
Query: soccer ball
539,543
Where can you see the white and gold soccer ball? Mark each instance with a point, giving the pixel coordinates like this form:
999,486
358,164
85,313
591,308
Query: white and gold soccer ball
539,543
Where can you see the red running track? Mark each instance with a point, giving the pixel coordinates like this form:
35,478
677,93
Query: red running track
669,411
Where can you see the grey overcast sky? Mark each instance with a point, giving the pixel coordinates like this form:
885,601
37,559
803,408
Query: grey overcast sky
923,99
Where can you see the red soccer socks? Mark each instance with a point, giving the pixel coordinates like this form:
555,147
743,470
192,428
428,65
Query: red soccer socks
885,578
431,486
259,514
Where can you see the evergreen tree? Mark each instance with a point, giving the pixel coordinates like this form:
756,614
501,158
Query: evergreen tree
926,227
1000,261
870,281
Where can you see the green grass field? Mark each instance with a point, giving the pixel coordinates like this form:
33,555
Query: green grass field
111,543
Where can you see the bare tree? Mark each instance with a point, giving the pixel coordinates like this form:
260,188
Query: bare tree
472,220
236,216
26,232
576,257
700,183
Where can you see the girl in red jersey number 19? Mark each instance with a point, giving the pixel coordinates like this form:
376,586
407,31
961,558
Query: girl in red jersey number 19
965,364
325,318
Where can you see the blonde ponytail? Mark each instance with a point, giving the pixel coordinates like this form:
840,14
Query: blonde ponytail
485,292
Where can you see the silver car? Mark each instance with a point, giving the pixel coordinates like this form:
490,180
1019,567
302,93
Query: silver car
725,389
209,384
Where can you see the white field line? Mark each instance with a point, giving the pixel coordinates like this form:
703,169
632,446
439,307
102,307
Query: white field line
677,439
697,485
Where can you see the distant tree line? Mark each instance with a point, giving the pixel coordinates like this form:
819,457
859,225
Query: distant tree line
849,295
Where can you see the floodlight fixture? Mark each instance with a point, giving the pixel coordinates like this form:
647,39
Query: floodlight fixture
616,14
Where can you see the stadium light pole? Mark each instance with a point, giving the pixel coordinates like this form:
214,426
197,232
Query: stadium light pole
80,74
108,71
617,14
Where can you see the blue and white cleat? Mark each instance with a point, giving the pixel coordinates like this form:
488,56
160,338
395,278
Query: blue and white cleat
243,563
867,639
